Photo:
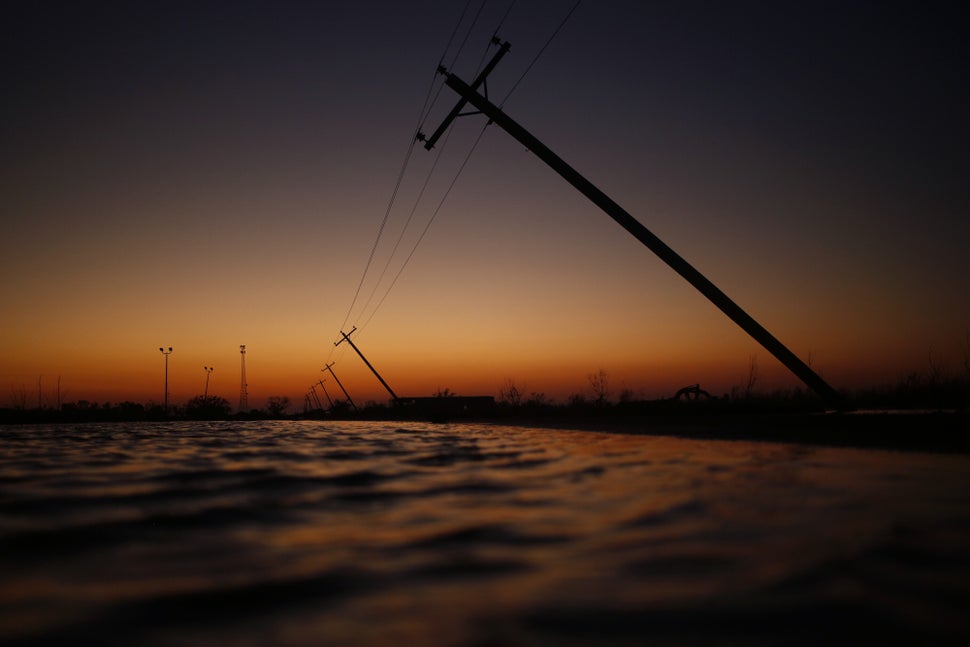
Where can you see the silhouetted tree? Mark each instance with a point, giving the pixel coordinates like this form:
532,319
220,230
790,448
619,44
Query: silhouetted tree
752,376
577,400
600,383
537,399
340,408
276,405
19,397
510,393
937,370
129,409
210,407
966,357
746,391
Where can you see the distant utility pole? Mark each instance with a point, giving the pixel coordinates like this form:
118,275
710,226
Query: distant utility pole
469,94
316,398
329,367
326,393
205,393
346,338
243,394
166,353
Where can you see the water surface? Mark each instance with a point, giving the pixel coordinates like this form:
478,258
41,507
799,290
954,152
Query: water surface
298,533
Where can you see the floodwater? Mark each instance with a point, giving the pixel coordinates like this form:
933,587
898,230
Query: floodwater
319,533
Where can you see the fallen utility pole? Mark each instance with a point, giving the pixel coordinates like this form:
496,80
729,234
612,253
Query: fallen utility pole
346,338
329,367
633,226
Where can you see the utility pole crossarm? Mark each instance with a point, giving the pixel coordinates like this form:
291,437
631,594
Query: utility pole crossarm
651,241
456,112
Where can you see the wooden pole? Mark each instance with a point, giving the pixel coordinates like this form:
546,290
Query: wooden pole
651,241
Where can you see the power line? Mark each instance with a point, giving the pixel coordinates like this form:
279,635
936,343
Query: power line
404,229
428,225
387,210
425,109
491,41
441,60
468,33
534,60
380,231
502,21
454,59
455,31
481,61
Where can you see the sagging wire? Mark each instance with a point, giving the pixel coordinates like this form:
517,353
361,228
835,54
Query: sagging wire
425,110
427,226
540,52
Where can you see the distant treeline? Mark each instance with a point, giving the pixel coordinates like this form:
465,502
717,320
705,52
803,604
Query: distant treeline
198,408
930,390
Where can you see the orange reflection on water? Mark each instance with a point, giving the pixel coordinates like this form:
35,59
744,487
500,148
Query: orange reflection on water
448,531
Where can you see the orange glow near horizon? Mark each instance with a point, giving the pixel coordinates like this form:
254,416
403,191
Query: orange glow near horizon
97,374
230,193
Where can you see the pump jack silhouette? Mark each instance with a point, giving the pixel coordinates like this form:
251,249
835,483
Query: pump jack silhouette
469,94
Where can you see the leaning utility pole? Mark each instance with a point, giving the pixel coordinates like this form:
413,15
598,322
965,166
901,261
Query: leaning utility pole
325,392
495,114
346,338
316,398
329,367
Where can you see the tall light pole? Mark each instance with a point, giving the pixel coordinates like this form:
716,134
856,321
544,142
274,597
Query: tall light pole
166,353
205,393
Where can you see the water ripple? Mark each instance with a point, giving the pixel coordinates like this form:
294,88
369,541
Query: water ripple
304,533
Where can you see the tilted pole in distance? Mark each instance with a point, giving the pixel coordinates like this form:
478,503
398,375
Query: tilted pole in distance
346,338
329,367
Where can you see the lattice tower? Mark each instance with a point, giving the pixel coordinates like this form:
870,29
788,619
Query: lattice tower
243,395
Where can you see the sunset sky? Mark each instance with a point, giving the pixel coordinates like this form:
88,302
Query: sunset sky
205,174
